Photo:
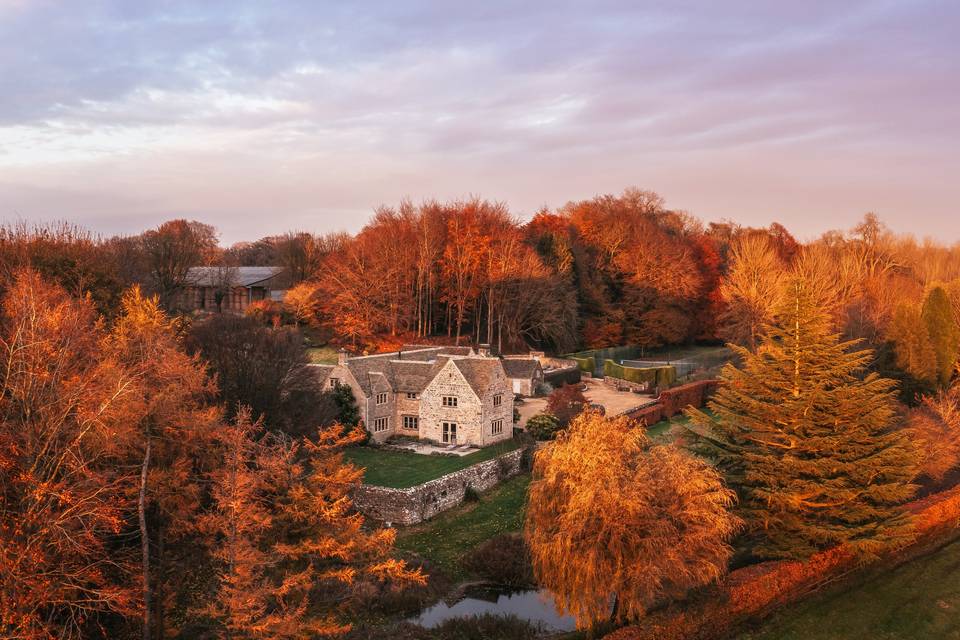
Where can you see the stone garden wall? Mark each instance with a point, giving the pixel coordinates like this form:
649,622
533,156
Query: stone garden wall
419,503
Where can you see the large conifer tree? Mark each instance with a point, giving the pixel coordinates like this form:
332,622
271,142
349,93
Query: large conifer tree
938,318
807,438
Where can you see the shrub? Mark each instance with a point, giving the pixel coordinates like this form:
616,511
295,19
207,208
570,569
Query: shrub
648,415
566,403
503,559
544,426
268,313
659,376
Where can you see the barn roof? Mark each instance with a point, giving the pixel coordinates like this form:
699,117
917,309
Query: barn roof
238,276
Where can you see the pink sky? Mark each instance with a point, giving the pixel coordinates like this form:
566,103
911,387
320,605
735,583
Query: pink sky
263,117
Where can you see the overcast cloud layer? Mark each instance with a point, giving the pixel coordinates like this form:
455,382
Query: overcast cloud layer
259,116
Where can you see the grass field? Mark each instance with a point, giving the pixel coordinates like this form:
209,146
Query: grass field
920,599
402,469
322,355
445,538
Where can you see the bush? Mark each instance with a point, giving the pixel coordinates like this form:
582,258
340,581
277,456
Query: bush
544,389
503,559
544,426
659,376
587,364
268,313
566,403
649,415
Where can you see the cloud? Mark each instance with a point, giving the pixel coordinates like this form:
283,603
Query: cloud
223,109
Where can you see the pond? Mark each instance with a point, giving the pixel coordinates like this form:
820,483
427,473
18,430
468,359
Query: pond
534,606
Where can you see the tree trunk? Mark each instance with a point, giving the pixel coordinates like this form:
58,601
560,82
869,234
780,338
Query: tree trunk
145,542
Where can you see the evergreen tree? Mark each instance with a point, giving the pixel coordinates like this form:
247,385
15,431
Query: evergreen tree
914,350
944,334
807,439
349,414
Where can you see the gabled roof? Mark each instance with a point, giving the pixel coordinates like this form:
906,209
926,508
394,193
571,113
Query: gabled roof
524,368
408,376
238,276
447,350
478,372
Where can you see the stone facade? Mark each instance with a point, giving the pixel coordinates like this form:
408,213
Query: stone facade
419,503
481,417
412,384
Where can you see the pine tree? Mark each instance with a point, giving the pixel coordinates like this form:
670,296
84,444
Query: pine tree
807,439
914,350
938,318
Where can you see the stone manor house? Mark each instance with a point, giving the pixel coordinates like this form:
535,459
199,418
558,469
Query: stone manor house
448,395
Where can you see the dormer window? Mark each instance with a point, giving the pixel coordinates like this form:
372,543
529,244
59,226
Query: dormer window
381,398
450,401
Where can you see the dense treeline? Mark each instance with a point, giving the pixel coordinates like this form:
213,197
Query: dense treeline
607,271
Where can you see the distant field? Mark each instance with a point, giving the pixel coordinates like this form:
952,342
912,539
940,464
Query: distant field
445,538
920,599
322,355
402,469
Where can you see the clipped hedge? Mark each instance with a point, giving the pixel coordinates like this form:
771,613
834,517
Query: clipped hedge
648,415
679,398
586,363
659,376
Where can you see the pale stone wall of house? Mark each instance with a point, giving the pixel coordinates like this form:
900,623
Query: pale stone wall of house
380,385
416,504
468,414
500,385
406,407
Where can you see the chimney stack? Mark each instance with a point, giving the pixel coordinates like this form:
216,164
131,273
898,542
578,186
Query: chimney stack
342,356
483,350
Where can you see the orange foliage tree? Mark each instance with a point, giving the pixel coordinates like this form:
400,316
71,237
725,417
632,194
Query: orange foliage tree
285,539
170,424
612,519
64,499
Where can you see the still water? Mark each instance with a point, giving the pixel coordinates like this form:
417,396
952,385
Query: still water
533,606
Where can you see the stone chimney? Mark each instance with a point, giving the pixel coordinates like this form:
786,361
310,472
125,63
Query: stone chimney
342,356
537,355
483,350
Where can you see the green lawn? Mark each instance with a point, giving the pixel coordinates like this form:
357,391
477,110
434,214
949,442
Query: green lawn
660,432
402,469
322,355
448,536
920,599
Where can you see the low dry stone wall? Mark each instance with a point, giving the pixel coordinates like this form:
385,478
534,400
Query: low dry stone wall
419,503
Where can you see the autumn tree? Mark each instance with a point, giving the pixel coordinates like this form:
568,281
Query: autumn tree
611,518
751,289
935,427
171,250
288,548
808,439
263,367
944,334
66,255
914,350
64,496
566,402
170,423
